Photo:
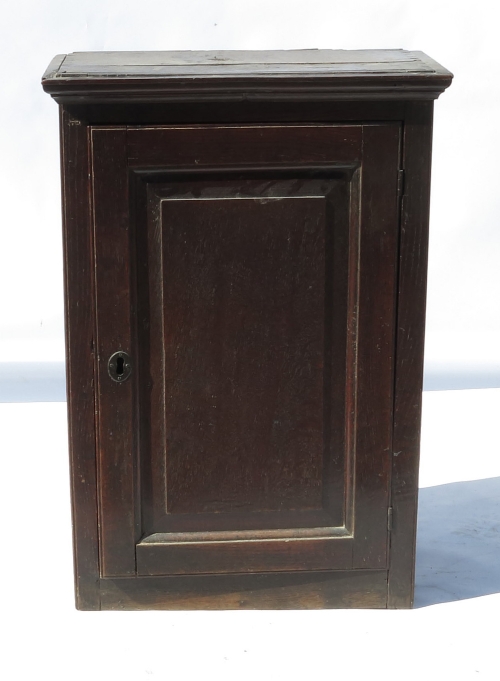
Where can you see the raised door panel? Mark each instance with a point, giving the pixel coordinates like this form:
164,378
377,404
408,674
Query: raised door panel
249,272
241,344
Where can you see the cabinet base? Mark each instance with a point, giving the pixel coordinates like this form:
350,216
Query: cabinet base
282,591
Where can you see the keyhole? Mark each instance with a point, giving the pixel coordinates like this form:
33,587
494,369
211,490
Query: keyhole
119,366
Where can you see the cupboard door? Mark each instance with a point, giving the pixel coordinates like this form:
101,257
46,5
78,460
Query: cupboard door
247,275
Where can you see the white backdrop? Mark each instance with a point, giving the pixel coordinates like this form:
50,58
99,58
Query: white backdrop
456,636
464,277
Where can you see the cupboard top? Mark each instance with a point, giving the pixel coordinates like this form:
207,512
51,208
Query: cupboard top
238,75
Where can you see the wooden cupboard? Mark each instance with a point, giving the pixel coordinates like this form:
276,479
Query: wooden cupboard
245,241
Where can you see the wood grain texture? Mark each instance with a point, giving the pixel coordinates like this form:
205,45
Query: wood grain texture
410,350
375,341
80,348
244,278
117,425
266,344
284,591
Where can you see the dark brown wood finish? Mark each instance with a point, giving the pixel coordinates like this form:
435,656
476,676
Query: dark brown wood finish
117,424
375,342
138,194
281,591
80,349
410,351
252,401
309,75
263,351
243,329
222,111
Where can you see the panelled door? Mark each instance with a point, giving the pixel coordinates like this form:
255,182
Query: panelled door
245,282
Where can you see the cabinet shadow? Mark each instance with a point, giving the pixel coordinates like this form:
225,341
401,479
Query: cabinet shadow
458,542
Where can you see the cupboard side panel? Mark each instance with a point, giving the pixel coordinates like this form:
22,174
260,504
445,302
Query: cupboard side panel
80,343
410,350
